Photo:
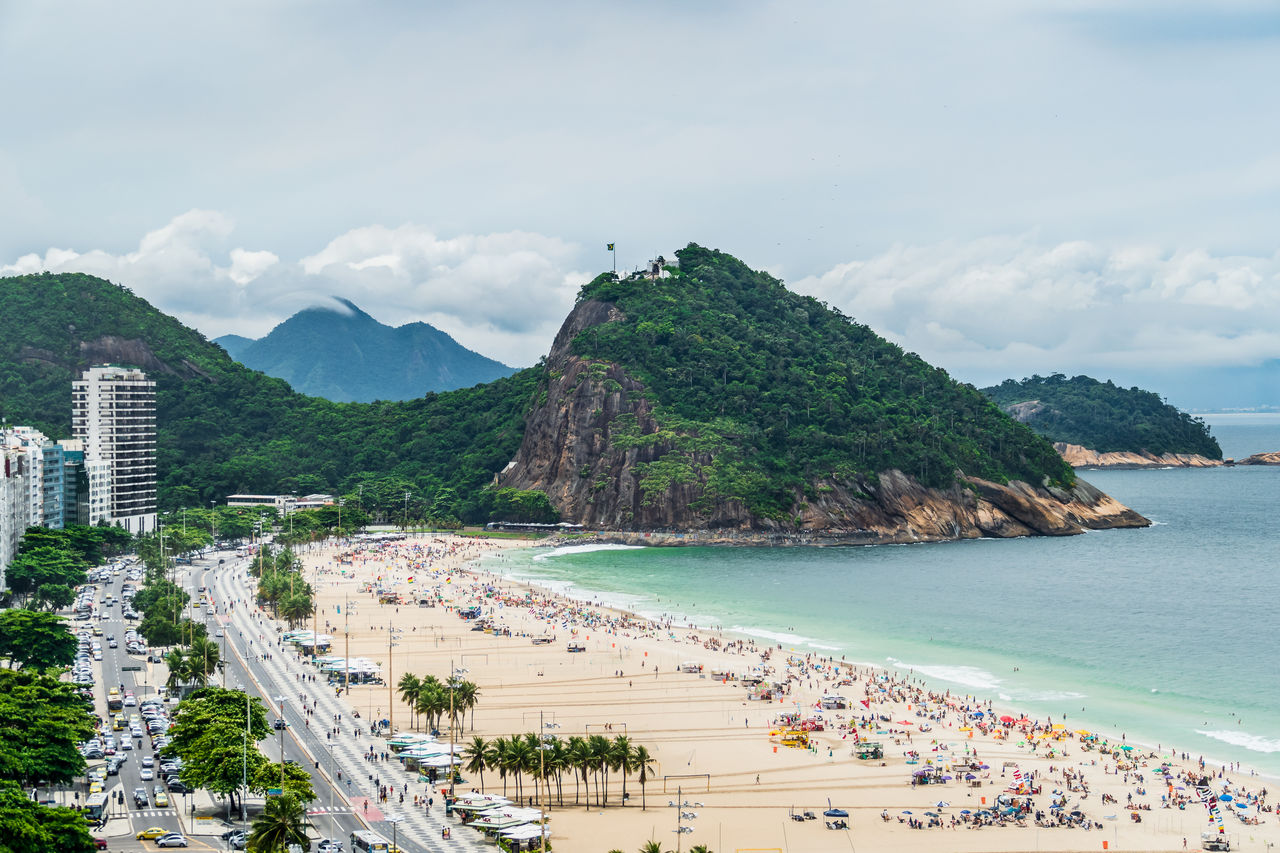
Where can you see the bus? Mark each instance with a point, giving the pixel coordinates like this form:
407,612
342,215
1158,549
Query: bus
369,842
95,807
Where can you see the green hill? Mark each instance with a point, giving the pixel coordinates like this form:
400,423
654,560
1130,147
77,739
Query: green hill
341,353
713,397
224,428
710,396
1102,416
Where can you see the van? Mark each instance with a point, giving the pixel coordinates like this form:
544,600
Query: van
1214,841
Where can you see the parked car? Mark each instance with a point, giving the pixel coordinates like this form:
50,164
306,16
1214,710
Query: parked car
173,839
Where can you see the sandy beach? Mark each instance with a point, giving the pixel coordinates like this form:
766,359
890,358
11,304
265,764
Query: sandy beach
721,742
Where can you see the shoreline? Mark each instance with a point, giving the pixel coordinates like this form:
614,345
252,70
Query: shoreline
779,639
706,711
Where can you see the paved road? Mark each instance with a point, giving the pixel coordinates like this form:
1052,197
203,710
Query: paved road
416,830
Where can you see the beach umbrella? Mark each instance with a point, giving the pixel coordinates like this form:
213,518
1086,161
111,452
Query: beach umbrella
906,811
932,814
965,811
1006,719
1226,798
942,804
1127,748
978,714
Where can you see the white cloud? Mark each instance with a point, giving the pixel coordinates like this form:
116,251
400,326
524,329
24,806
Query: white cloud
503,295
1009,306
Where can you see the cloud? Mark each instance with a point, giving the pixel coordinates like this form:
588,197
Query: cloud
1009,306
503,295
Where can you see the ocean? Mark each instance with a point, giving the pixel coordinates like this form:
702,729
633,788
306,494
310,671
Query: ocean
1169,635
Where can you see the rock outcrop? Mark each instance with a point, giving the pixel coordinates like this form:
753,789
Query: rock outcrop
593,443
1083,457
1269,458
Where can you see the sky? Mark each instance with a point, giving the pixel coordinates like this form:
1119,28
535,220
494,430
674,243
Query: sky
1005,188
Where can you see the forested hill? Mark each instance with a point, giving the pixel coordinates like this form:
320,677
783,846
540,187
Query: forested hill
224,428
714,396
341,353
1102,416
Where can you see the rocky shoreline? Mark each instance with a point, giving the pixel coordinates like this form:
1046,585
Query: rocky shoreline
1082,457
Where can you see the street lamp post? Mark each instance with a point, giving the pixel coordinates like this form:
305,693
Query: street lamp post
394,820
391,702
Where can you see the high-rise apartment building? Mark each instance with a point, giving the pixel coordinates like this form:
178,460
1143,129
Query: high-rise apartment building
30,442
113,412
15,505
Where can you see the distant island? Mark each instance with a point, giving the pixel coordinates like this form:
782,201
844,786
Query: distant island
1101,425
341,353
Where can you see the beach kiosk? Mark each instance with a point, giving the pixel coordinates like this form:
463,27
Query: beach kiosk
868,750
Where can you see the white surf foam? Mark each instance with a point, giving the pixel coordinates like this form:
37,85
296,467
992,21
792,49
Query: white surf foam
784,637
1253,743
582,549
968,676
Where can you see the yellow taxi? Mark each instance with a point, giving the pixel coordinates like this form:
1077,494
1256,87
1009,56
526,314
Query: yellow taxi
152,832
162,800
95,787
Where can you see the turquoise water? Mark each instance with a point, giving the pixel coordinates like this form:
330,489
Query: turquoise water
1169,634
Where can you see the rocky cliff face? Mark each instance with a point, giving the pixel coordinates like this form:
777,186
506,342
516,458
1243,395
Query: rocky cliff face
1083,457
593,443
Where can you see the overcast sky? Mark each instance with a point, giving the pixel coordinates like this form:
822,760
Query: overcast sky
1003,187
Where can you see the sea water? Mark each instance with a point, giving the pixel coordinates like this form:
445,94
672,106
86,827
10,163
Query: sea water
1169,634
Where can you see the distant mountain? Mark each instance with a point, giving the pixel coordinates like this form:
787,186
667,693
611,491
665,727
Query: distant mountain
1103,416
235,344
342,354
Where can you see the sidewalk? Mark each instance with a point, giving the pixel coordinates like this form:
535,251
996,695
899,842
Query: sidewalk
344,754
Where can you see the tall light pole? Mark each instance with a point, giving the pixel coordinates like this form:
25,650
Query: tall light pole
340,502
406,510
280,700
394,820
213,523
391,684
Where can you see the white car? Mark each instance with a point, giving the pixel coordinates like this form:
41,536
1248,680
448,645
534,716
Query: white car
146,774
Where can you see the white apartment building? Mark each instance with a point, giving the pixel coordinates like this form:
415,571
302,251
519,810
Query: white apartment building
30,442
113,411
15,510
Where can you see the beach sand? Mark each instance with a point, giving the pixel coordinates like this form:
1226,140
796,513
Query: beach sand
714,744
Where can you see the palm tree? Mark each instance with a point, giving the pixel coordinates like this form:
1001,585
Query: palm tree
623,759
203,660
699,848
410,686
466,694
495,759
282,822
643,763
476,753
177,665
432,701
598,749
651,847
520,754
578,756
558,758
297,608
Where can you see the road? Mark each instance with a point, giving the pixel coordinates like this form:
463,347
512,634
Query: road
415,830
339,774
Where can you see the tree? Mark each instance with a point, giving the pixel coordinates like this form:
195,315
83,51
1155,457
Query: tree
295,781
42,723
643,763
36,567
208,733
203,659
283,822
29,827
297,608
54,596
409,686
622,756
35,639
475,757
651,847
